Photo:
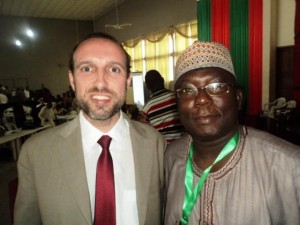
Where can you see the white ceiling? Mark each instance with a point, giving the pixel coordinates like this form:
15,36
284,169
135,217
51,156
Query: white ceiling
57,9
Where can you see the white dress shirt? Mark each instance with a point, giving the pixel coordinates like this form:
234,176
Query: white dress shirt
124,173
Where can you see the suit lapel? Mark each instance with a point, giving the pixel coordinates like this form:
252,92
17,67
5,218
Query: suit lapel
71,159
143,161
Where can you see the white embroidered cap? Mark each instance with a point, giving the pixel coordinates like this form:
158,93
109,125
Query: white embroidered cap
203,54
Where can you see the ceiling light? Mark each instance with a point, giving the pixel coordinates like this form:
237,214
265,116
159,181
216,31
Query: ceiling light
30,33
117,25
18,43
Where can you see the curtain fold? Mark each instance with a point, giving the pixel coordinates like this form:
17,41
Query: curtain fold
160,50
204,20
255,56
239,45
220,21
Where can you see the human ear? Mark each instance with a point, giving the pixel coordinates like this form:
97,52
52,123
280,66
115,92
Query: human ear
129,78
71,80
239,98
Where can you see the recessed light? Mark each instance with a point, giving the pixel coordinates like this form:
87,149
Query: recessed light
29,33
18,43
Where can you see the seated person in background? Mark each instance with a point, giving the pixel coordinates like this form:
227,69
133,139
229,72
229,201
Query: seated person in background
47,115
222,172
59,109
3,97
3,103
161,110
36,106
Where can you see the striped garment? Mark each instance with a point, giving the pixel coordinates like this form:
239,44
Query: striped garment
161,112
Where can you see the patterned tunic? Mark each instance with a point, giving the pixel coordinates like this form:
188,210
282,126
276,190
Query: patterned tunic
260,184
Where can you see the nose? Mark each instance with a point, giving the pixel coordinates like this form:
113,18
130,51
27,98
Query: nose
100,79
202,98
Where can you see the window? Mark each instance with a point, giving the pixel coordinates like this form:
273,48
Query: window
160,50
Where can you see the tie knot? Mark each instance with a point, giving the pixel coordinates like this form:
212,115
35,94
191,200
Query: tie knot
104,141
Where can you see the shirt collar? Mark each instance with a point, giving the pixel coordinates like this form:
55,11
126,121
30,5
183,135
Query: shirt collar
90,134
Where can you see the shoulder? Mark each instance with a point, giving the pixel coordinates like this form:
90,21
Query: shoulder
178,148
142,128
53,135
266,139
264,143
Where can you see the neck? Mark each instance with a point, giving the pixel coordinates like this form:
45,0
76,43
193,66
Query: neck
206,152
104,125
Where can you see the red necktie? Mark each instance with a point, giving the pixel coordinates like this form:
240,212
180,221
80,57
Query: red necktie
105,206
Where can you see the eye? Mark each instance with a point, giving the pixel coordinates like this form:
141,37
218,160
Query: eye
217,88
114,69
188,90
86,69
221,86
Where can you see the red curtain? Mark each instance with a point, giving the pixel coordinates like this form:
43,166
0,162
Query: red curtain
221,21
255,55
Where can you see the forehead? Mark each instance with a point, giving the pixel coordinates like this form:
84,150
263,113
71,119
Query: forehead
206,74
99,47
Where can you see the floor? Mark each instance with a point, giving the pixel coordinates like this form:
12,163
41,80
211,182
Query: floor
8,172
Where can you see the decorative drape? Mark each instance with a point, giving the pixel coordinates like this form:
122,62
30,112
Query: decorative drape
160,50
296,78
238,25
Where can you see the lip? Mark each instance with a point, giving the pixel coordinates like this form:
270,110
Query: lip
206,119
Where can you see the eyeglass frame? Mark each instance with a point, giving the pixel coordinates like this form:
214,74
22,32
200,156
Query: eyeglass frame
195,90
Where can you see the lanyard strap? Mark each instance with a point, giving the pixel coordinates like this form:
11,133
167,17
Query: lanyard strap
192,195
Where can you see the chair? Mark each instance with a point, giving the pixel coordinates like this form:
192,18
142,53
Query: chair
291,104
11,127
287,108
271,107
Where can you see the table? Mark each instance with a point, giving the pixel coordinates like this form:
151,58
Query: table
15,138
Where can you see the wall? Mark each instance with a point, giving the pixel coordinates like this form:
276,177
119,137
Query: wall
278,30
286,17
42,60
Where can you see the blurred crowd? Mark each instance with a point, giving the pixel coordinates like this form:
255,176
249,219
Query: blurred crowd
33,108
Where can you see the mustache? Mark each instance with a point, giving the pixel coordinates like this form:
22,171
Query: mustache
101,90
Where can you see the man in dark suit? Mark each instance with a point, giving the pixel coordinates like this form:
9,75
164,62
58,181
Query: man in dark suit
57,168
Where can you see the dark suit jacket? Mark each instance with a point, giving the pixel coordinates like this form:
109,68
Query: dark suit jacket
52,179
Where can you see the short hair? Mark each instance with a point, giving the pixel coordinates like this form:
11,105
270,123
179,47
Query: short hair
154,80
99,35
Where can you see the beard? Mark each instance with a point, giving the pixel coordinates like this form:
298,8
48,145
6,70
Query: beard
99,112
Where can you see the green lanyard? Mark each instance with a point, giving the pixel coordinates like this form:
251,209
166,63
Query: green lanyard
192,195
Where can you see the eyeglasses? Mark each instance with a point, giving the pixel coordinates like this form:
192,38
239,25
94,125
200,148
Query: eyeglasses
213,89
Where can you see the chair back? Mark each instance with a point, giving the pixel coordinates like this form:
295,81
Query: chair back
10,126
270,108
291,104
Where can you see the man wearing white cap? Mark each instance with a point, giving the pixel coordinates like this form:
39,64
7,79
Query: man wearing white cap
223,173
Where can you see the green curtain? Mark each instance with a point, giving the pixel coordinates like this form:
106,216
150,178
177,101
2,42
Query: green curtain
239,44
204,21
